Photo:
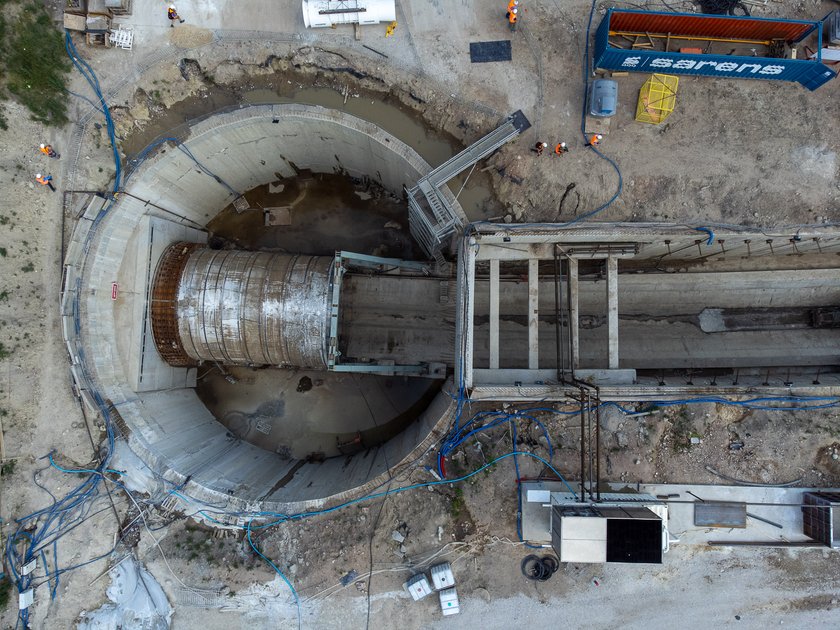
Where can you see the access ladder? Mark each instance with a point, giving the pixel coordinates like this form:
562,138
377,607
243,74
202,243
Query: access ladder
433,218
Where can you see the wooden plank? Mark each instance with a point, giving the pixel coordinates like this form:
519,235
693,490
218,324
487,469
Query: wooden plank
533,313
494,314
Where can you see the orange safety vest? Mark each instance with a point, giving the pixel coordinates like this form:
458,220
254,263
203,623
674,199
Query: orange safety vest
511,6
512,17
44,180
560,149
45,150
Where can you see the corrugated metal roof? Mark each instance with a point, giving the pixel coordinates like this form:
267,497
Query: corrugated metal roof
708,25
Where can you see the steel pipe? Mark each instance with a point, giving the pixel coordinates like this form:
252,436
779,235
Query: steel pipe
241,308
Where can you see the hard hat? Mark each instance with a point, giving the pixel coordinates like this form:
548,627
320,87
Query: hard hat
43,146
562,144
172,6
513,10
545,144
37,175
599,136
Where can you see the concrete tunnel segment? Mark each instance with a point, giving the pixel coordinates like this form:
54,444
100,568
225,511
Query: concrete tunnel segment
109,271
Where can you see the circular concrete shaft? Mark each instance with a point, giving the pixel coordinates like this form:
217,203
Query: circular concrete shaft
107,307
241,308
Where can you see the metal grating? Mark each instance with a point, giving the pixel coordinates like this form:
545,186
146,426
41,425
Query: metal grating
164,304
431,218
818,514
484,52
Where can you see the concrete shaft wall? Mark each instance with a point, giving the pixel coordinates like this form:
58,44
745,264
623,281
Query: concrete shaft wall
254,308
167,425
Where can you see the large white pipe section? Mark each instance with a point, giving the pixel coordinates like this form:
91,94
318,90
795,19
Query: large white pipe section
322,13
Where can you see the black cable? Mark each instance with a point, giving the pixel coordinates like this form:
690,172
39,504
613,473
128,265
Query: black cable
539,569
370,555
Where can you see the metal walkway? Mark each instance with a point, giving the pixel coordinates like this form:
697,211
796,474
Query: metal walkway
432,218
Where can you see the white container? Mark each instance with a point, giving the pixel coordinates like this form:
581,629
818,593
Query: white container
449,602
442,576
323,13
418,587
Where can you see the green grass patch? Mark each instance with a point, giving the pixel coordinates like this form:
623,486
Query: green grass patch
36,63
5,593
458,505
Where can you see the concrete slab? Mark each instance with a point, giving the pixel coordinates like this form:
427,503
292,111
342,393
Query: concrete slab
278,216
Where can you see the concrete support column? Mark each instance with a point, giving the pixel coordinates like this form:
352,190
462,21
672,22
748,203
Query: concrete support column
574,312
468,269
494,314
533,313
612,311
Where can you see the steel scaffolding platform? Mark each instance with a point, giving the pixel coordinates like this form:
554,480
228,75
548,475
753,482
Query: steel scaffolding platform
432,218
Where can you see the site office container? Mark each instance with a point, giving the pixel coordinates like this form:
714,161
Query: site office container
811,73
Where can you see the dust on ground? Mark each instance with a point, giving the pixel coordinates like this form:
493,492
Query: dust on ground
735,151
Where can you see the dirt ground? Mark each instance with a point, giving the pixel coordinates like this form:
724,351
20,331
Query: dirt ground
747,152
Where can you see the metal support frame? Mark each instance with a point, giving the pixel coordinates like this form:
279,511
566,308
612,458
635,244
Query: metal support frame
431,217
589,399
342,262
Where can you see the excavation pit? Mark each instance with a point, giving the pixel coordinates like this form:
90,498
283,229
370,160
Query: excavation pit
171,418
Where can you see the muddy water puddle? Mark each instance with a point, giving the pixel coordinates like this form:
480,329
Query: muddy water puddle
304,414
325,213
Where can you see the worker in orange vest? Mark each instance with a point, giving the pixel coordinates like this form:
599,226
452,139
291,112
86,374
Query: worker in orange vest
512,17
172,14
513,4
560,149
48,151
45,180
595,140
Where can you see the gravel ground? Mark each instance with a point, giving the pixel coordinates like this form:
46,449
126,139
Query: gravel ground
734,151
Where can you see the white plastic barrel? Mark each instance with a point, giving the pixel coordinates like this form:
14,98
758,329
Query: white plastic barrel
321,13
